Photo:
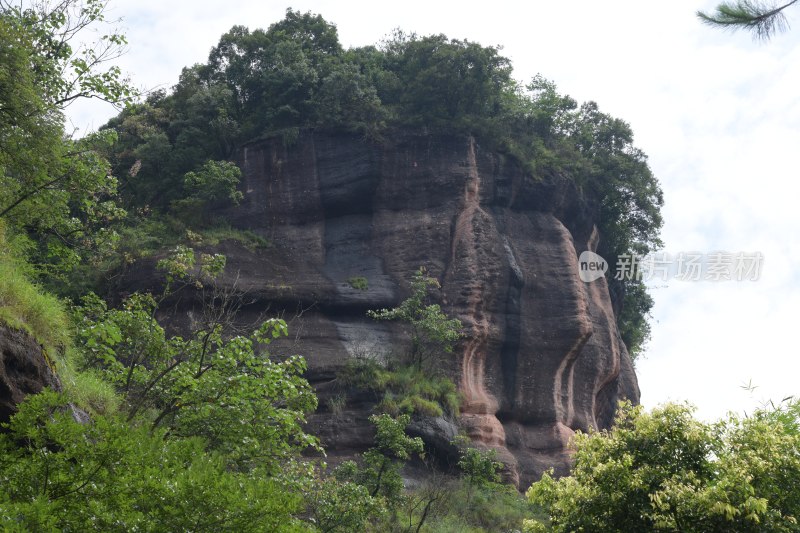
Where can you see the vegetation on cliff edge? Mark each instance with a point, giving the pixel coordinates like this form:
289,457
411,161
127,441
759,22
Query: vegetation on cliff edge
295,76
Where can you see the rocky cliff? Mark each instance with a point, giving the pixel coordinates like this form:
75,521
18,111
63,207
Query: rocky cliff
24,370
542,356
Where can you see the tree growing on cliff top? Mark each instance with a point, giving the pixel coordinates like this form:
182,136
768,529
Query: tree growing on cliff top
296,77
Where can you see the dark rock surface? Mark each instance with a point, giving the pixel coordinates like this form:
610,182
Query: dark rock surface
23,370
542,357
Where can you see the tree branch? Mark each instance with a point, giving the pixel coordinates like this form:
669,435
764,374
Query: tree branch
763,20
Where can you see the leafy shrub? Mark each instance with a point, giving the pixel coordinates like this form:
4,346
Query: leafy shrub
414,391
239,400
358,282
479,467
219,387
342,506
380,472
214,183
432,332
61,475
404,389
479,509
665,471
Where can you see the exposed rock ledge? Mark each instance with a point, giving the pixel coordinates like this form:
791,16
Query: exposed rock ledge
23,370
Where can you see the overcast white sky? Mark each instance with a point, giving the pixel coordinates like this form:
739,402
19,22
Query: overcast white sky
717,113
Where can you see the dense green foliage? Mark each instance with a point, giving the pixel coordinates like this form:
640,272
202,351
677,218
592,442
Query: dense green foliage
479,466
398,388
479,509
665,471
212,385
61,475
205,433
213,185
380,472
633,320
56,193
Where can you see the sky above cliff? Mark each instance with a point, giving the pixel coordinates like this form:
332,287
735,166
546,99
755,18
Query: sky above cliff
717,113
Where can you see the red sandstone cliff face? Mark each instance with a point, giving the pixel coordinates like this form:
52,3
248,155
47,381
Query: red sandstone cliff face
542,357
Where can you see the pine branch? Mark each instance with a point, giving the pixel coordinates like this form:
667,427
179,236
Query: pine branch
761,18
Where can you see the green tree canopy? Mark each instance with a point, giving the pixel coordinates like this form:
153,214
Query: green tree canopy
56,191
59,474
666,471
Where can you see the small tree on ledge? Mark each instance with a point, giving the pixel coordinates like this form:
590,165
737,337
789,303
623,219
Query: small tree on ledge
432,331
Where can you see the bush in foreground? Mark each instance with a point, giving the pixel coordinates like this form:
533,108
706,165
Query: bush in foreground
666,471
